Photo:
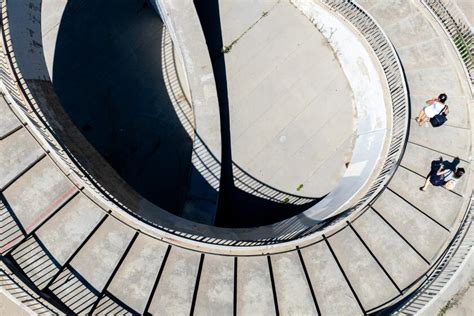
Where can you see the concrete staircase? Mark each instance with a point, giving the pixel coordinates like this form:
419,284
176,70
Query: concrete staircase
78,253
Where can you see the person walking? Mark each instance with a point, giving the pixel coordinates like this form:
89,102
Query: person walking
446,178
436,111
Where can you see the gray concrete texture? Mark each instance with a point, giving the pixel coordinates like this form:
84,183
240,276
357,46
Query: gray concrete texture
174,293
8,121
104,249
19,152
62,234
136,276
288,127
328,282
402,205
38,193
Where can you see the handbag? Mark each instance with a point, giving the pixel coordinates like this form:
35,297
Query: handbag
439,119
450,184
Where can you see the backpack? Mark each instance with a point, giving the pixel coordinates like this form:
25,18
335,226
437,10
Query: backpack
439,119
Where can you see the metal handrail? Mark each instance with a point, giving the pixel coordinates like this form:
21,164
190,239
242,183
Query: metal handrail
444,269
459,33
9,282
289,229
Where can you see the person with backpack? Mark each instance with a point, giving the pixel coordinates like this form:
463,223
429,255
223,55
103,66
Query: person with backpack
446,178
435,112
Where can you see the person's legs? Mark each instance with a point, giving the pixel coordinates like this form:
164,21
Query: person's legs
420,115
422,118
427,183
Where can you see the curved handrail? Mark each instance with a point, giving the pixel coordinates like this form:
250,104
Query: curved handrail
460,34
25,294
289,229
435,278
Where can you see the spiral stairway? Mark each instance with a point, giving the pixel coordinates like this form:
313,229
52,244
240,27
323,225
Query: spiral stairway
73,250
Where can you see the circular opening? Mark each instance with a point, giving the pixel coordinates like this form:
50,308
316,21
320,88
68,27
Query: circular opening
302,119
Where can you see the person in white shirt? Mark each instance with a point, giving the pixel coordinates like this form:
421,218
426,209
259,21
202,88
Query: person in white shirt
435,106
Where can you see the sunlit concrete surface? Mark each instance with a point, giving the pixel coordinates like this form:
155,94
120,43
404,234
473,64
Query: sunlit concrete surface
9,306
364,263
291,108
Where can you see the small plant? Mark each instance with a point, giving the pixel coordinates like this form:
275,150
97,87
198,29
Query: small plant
225,49
299,187
286,200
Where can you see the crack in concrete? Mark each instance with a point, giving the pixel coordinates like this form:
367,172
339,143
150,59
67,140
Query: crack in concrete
226,49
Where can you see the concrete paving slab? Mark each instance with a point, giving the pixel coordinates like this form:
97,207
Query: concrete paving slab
423,55
254,288
10,306
216,288
273,118
104,249
135,278
18,152
175,289
410,29
8,121
63,233
420,231
433,81
369,281
38,193
445,139
437,202
387,11
292,289
401,262
332,292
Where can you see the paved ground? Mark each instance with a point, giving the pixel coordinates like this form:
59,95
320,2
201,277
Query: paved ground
289,127
365,261
10,307
463,302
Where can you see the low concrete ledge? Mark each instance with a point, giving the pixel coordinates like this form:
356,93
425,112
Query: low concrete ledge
183,24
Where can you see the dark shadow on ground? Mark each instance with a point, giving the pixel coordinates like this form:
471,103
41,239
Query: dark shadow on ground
107,74
236,208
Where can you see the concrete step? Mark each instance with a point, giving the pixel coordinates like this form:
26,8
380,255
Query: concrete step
418,159
448,140
292,289
10,232
133,283
19,152
328,282
74,292
109,306
437,202
254,287
34,259
38,193
8,121
399,259
216,286
105,249
65,232
175,290
417,228
369,281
